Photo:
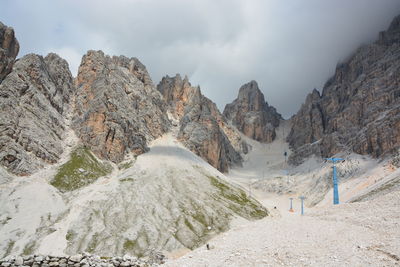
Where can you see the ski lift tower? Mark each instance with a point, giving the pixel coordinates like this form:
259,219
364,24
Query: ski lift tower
335,180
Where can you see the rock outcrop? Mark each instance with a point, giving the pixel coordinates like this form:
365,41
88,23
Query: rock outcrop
9,48
359,109
117,109
252,115
34,98
202,127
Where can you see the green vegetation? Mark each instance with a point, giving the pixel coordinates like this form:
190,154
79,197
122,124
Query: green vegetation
386,187
93,243
29,248
138,246
239,202
9,248
82,169
129,245
126,165
70,235
128,179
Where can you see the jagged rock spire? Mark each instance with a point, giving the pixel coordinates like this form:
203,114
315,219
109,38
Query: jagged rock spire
252,115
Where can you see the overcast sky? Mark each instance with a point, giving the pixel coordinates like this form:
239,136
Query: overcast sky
289,47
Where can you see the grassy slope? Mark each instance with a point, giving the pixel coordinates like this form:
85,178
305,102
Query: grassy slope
82,169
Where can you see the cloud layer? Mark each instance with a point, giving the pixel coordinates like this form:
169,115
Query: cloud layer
289,47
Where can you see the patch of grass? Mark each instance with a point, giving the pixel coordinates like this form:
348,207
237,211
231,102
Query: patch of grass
82,169
386,187
240,203
29,248
9,248
128,179
126,165
93,243
129,245
70,235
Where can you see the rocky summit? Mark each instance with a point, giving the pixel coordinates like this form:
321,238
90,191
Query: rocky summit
34,99
202,128
252,115
359,109
117,110
9,48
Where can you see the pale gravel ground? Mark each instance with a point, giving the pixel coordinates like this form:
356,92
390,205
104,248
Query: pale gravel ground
350,234
357,234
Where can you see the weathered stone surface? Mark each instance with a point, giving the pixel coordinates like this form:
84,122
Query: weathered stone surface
252,115
155,258
9,48
33,101
359,109
202,127
117,109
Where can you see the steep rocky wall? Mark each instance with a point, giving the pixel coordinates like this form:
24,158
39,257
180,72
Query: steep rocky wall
33,102
359,109
9,48
117,109
252,115
202,127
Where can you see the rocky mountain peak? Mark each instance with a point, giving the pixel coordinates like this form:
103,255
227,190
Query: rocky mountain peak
392,34
202,128
251,96
33,101
9,48
117,110
394,25
252,115
178,92
359,106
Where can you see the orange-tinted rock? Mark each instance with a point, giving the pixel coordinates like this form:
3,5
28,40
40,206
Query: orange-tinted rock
202,127
117,109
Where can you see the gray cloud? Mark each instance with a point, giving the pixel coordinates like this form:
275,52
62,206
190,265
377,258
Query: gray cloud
289,47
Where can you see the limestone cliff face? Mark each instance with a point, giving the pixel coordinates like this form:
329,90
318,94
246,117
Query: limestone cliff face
34,98
117,109
252,115
359,109
202,127
9,48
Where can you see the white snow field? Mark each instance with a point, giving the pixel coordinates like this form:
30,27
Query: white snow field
362,233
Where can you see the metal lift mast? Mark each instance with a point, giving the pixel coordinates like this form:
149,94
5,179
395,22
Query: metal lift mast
335,180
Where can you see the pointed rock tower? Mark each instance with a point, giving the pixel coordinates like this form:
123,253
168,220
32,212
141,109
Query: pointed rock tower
9,48
117,110
203,129
252,115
